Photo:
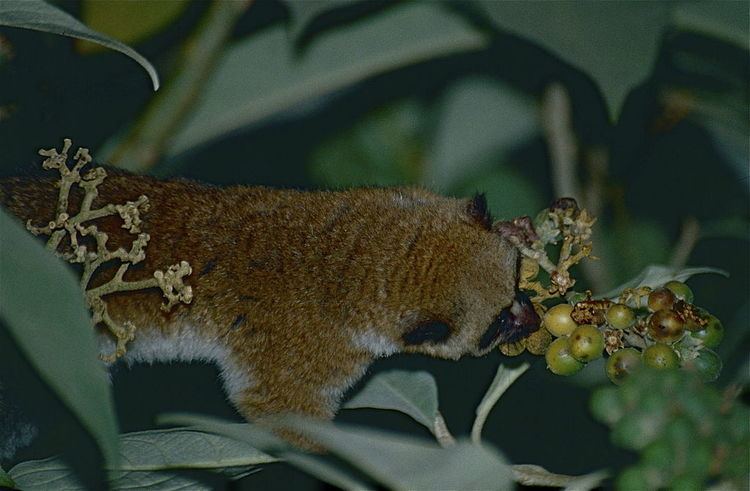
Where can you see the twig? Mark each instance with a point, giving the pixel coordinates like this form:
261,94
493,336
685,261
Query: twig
690,234
441,432
563,154
147,141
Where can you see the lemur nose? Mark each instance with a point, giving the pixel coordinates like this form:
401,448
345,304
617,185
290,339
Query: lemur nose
514,323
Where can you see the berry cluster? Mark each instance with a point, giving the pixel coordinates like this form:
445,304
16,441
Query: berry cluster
660,328
689,435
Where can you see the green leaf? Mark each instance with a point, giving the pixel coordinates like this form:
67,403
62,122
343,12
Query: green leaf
303,12
478,118
324,471
400,462
144,455
130,21
534,475
656,275
44,311
43,475
509,193
615,43
261,76
41,16
504,378
727,21
5,480
383,149
412,393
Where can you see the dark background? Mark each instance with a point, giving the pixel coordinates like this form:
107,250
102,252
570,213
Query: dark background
664,97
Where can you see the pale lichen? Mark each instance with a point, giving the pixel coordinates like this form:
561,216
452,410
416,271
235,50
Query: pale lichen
75,228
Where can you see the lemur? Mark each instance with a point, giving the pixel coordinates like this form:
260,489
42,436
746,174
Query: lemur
296,293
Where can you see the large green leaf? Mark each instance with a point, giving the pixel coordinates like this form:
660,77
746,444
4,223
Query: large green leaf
656,275
613,42
504,378
400,462
41,16
262,76
43,308
130,21
324,471
478,118
144,455
412,393
301,13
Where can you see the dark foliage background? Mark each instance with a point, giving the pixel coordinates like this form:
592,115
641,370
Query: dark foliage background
658,122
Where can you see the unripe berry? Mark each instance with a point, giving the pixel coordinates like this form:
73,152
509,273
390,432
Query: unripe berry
559,359
707,364
659,299
557,320
586,343
620,316
661,356
680,290
711,334
666,326
622,363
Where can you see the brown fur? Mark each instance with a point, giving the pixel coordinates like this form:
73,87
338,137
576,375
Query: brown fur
303,289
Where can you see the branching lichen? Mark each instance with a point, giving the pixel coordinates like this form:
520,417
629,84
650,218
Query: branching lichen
75,227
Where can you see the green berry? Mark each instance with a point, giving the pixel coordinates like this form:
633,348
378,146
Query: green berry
632,479
680,290
711,334
707,364
586,343
666,326
558,321
661,356
659,299
622,363
620,316
559,359
607,406
687,483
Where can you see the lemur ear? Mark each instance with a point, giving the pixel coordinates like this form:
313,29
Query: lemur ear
427,332
477,210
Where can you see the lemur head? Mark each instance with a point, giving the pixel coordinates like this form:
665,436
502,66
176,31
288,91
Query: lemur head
460,296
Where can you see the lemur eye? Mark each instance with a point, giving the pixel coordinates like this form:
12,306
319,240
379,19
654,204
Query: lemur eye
425,332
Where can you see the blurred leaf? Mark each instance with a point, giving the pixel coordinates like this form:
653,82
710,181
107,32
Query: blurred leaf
324,471
631,245
43,475
44,311
727,21
130,21
261,76
303,12
383,149
41,16
534,475
509,194
144,455
656,275
5,479
412,393
259,438
479,117
400,462
730,227
613,42
504,378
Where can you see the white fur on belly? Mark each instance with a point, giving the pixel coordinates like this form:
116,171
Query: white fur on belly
153,346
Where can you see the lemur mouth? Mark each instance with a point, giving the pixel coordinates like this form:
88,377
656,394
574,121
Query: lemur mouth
514,323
